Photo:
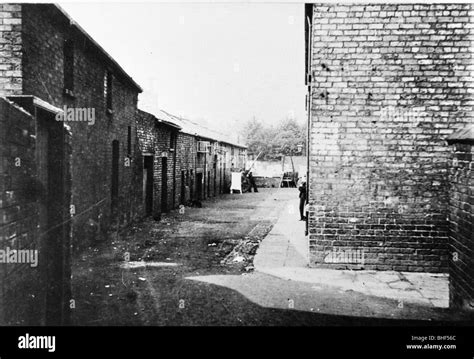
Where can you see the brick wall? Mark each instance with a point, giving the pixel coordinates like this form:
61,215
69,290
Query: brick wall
19,216
155,138
215,165
10,49
186,151
388,84
44,31
163,150
34,209
461,224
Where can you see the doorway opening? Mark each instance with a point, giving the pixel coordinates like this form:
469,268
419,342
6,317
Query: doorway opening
55,243
164,184
199,186
114,189
148,183
183,188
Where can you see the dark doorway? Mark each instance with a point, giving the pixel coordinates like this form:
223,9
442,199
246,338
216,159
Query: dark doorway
199,186
55,243
215,175
220,180
148,183
191,185
208,184
183,188
164,184
115,174
223,179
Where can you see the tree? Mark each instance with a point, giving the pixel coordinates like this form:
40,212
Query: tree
272,141
255,136
291,137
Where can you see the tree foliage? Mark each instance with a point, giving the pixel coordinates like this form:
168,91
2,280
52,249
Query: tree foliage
274,141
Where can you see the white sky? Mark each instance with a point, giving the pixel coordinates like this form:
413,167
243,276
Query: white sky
217,63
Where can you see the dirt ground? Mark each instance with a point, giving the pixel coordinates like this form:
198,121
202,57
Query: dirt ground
197,241
112,286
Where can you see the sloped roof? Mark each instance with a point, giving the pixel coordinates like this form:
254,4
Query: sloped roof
160,117
195,129
109,59
465,134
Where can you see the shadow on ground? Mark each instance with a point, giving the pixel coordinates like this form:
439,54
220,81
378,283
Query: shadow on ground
201,290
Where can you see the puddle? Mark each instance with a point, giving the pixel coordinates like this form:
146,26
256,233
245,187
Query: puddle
142,264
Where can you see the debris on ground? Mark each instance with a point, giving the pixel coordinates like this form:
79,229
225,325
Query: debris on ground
238,259
249,268
245,249
242,253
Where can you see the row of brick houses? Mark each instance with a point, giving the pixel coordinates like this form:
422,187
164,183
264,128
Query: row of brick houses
69,178
387,84
184,162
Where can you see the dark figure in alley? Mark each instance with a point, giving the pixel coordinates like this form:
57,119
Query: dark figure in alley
302,190
252,182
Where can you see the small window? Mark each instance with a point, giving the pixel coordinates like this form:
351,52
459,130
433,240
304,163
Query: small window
172,140
108,90
114,190
129,141
68,67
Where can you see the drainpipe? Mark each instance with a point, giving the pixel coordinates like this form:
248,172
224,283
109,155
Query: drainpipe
308,142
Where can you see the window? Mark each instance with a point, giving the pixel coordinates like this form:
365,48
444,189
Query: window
172,140
108,90
115,173
129,141
68,69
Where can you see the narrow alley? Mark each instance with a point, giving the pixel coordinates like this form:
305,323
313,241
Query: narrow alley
237,163
196,267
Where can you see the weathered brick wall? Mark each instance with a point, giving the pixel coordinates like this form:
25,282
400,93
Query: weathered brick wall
162,149
389,83
43,34
146,132
201,167
156,139
19,217
215,170
10,49
25,219
461,225
186,151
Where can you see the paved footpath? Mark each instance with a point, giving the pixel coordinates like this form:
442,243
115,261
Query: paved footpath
284,253
282,279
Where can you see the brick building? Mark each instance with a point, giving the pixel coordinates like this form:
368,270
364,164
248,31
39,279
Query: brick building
157,139
212,154
387,84
216,156
197,161
461,218
91,169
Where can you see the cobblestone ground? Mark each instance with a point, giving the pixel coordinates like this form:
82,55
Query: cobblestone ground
142,275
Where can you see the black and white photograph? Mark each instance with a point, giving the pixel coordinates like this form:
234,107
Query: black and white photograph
237,164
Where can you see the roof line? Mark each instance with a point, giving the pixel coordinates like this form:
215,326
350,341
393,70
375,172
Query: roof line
72,22
205,128
159,120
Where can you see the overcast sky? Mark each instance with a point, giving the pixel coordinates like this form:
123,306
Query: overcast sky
217,63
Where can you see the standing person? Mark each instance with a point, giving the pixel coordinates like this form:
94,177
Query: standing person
302,190
252,182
